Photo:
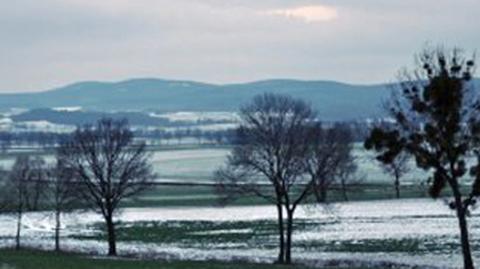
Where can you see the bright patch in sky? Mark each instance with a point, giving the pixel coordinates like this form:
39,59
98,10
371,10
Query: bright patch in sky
307,13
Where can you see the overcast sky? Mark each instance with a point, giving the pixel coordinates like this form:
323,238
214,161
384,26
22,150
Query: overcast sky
49,43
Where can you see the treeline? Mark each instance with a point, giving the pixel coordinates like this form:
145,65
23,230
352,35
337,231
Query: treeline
151,137
358,129
33,139
179,136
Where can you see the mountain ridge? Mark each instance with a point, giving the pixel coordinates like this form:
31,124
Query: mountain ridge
82,84
333,100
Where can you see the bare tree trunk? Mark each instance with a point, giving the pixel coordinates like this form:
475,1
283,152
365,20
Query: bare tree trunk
57,230
396,183
281,255
467,255
323,195
397,187
288,250
462,222
321,192
344,190
19,228
112,248
36,198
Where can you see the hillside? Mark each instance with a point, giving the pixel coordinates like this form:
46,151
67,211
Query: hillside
333,100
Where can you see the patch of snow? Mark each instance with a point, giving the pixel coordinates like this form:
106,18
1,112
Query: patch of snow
6,121
191,116
43,125
67,108
220,232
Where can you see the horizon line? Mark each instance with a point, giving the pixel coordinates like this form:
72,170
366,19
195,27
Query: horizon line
66,85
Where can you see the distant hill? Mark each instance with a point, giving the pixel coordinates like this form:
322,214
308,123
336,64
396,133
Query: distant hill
87,117
333,100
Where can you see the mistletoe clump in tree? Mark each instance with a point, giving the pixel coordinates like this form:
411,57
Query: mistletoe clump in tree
436,112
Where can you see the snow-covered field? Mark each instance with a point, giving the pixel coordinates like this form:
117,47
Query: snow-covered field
418,232
428,223
199,164
6,124
177,121
194,116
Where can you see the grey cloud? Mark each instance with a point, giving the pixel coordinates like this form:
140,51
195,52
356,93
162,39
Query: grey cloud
52,42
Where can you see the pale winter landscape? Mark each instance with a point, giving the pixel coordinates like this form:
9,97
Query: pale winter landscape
234,134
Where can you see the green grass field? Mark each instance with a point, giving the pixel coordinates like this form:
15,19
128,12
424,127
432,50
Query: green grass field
30,259
204,195
246,235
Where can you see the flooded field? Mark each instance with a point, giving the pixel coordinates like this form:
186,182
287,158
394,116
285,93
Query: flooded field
405,232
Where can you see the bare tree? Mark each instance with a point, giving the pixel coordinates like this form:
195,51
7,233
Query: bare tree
37,183
109,165
397,169
197,134
268,160
178,134
346,175
436,112
63,188
20,182
330,160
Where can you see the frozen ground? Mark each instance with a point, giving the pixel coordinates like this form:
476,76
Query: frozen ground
418,232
